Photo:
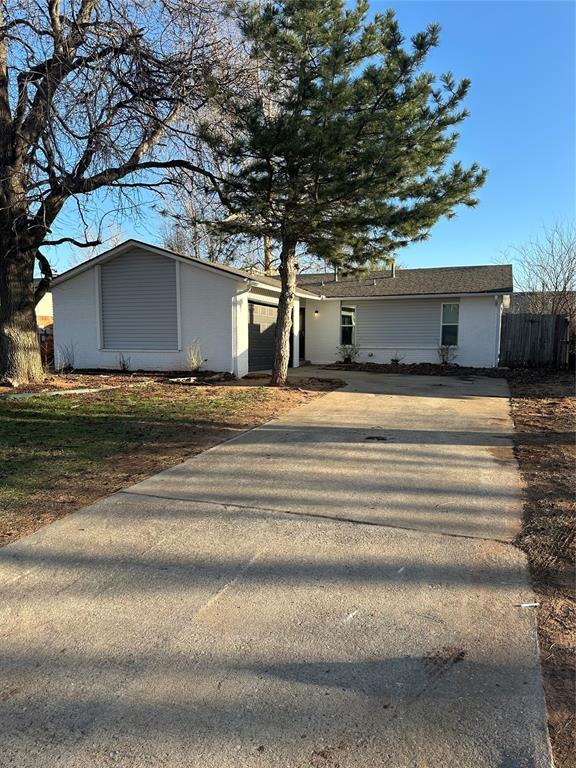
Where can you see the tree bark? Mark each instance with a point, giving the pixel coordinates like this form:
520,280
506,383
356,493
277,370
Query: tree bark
20,360
268,255
285,310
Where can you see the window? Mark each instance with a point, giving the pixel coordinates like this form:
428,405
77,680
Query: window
348,325
450,324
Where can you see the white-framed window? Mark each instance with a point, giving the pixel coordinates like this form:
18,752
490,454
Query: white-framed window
348,325
449,333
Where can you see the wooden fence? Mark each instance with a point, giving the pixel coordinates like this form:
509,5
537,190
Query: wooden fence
534,340
46,339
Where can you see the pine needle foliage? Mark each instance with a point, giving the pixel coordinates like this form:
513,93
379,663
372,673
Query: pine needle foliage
344,146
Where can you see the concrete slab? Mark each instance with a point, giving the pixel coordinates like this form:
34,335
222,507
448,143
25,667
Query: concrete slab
417,452
150,630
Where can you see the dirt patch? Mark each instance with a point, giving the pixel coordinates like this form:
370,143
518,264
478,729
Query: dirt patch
58,454
101,379
54,382
544,413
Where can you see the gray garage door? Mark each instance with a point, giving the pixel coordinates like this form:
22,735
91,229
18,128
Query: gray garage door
261,330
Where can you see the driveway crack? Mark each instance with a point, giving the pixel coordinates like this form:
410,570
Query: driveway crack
319,516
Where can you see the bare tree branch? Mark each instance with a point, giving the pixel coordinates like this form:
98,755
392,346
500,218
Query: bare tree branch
545,270
78,243
94,95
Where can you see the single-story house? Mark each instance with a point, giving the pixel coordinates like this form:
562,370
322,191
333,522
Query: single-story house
144,307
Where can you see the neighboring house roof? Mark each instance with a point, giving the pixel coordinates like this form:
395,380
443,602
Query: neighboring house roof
262,280
413,282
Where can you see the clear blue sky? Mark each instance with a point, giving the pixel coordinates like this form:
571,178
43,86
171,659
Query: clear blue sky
520,57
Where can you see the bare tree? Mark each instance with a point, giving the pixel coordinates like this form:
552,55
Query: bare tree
92,96
190,219
191,228
545,271
103,239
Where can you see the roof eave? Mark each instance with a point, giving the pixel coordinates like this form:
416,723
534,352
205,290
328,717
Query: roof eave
132,243
453,294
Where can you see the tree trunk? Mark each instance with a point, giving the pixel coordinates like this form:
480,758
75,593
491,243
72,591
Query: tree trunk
285,309
268,255
20,360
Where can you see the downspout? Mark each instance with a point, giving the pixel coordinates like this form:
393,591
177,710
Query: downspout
249,284
499,303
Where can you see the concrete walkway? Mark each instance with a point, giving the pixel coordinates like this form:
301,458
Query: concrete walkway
335,588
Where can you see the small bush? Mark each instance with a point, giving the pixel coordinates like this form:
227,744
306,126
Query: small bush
348,352
65,358
194,357
123,363
447,354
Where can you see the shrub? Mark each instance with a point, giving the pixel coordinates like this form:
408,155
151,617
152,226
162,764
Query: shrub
123,363
348,352
194,357
447,354
65,358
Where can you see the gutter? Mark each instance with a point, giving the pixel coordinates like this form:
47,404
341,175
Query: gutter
416,296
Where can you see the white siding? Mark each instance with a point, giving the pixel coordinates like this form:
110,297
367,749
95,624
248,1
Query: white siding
322,330
240,334
206,299
479,332
406,328
139,307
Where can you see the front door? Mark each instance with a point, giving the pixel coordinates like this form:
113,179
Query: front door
302,333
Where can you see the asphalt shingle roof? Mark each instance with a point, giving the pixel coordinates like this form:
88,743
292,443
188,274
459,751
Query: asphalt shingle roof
413,282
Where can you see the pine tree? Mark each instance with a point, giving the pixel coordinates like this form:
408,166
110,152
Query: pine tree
344,148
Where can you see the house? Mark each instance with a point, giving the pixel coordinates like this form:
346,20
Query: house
408,314
44,310
143,307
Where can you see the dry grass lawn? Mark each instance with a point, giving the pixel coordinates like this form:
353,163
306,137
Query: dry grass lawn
59,453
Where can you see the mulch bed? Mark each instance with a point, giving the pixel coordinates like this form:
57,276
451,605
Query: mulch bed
419,369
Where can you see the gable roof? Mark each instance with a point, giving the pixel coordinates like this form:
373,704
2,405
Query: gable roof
262,280
489,279
492,279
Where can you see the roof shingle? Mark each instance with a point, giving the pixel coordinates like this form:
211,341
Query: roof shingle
413,282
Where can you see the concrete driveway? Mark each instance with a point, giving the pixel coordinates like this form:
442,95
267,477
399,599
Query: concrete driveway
335,588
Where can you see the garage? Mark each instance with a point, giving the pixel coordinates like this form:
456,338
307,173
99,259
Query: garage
261,332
